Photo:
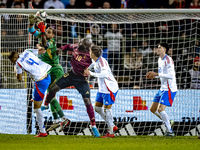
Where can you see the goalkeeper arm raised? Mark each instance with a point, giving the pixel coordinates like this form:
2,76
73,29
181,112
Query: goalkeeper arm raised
41,25
31,29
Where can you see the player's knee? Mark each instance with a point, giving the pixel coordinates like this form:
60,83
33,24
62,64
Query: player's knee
97,109
54,89
87,101
160,109
153,110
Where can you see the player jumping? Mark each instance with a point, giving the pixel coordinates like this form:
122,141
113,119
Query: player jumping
50,57
167,92
38,71
79,61
108,88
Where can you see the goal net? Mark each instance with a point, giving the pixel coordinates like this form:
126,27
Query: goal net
129,40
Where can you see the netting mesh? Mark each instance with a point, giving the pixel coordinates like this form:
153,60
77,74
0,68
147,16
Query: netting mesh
129,43
121,18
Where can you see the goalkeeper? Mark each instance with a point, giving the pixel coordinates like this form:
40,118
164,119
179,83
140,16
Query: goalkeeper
50,57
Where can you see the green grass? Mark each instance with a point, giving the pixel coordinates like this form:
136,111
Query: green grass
29,142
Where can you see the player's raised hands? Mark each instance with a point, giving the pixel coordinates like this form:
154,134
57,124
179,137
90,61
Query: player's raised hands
41,26
151,75
32,19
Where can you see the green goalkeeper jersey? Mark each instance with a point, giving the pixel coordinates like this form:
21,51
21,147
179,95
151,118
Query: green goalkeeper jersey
50,57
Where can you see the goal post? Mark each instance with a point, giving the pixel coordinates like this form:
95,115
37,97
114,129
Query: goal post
128,38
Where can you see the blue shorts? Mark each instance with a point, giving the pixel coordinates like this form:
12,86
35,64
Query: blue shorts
164,97
40,87
106,99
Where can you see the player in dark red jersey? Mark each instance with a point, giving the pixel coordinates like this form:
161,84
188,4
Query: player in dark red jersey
75,77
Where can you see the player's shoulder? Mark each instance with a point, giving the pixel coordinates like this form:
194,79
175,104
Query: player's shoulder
102,61
168,59
27,51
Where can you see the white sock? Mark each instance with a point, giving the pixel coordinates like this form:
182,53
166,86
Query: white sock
158,115
109,120
101,112
56,121
63,118
166,120
40,120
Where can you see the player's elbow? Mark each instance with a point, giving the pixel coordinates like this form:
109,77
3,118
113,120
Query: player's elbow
41,51
19,77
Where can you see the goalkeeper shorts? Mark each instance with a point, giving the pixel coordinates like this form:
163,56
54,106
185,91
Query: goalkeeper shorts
40,87
165,97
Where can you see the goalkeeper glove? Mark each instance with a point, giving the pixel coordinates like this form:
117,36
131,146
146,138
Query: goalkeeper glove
42,26
32,19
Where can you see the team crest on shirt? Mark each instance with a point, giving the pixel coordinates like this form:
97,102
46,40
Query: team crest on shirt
48,44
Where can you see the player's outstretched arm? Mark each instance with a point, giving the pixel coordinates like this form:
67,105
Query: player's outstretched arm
103,74
69,47
42,28
18,72
41,49
31,29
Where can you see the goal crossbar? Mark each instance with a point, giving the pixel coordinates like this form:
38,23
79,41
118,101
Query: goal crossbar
104,11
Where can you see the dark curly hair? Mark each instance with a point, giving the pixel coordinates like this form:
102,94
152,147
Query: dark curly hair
165,45
84,45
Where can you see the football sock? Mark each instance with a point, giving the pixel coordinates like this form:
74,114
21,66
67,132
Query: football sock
56,120
158,115
63,118
90,112
100,111
54,113
166,120
109,120
40,120
57,107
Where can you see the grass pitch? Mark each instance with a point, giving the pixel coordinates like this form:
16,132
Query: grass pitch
55,142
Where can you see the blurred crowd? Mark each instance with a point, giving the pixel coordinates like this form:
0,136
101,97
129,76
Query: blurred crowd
130,48
102,4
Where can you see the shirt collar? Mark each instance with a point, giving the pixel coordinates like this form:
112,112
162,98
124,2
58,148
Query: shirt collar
98,58
164,57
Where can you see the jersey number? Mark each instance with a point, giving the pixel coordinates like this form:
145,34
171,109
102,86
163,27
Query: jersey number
78,57
31,62
160,70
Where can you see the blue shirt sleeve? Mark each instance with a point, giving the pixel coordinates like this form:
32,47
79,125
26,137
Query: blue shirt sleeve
33,31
